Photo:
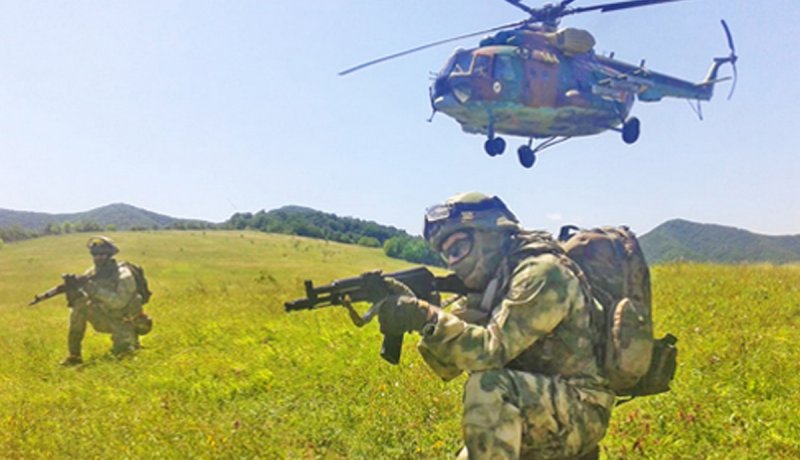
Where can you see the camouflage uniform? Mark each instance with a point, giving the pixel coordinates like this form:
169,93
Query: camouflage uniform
109,302
530,354
527,342
109,306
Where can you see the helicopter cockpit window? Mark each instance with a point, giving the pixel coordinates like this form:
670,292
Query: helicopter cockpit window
461,63
504,68
482,65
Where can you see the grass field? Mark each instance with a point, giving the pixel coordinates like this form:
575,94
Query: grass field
227,374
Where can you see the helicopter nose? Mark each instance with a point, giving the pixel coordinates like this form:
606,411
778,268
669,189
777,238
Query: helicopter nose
441,86
444,102
444,95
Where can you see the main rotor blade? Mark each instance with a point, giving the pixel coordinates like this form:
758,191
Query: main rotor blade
429,45
522,6
606,7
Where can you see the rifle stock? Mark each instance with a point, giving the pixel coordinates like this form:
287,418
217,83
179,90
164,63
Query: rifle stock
370,287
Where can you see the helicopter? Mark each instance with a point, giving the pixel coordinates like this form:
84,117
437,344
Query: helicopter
538,81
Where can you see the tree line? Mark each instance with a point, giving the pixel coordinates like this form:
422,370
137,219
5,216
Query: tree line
289,220
294,220
18,233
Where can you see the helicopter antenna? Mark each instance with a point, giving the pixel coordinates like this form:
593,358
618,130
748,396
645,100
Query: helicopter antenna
429,45
698,110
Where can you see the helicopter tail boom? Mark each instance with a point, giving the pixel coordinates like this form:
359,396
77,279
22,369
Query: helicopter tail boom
655,86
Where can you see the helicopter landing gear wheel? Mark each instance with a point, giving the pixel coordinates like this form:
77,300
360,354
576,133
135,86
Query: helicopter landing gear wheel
527,157
630,130
495,146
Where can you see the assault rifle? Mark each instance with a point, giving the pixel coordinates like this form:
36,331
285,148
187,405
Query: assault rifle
371,287
70,287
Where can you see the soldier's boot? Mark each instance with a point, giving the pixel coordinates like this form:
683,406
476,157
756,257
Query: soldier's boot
593,455
72,360
74,339
123,347
122,352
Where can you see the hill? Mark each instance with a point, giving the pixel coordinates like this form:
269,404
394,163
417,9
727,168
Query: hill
226,373
689,241
302,221
673,240
120,215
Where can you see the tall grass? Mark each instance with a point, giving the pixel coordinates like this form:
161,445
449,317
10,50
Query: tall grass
227,374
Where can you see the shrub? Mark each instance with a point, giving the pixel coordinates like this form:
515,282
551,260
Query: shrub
369,242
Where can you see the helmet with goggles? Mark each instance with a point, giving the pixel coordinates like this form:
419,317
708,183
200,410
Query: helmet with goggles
472,210
101,245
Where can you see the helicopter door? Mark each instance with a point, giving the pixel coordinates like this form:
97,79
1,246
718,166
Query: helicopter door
506,76
542,75
481,76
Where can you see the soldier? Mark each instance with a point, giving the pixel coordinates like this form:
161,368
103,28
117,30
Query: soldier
527,341
109,301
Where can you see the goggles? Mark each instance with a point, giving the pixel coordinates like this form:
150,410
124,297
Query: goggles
100,246
455,250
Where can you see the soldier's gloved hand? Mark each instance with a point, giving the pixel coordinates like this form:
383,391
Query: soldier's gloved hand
401,311
70,279
90,288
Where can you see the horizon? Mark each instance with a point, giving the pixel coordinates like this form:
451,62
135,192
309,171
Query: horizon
553,231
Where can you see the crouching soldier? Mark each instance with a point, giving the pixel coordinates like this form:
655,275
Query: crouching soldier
110,300
526,339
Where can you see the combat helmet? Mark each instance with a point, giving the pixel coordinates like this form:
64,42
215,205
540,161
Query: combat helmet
470,210
101,245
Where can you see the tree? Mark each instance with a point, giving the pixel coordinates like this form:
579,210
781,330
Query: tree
369,242
53,229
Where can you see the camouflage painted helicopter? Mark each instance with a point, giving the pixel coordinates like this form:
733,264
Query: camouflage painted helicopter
536,80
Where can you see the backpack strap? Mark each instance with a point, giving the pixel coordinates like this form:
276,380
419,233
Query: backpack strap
567,232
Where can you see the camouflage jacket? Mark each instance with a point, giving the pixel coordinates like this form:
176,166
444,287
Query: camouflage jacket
114,290
535,316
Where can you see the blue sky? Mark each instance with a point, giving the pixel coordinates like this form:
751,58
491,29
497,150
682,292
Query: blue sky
200,109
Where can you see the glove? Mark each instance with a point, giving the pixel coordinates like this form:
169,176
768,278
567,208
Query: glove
90,288
70,280
401,311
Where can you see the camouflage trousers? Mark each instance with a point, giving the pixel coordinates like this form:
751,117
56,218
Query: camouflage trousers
511,414
123,333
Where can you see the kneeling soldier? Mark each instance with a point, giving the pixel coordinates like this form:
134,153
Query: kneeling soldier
109,301
527,341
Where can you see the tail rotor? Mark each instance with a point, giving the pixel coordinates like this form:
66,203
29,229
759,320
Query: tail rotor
732,58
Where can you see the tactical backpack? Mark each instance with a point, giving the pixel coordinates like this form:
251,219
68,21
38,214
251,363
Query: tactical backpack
614,265
141,281
142,322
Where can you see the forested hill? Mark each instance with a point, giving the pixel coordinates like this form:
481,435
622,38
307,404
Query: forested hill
674,240
684,240
119,216
290,220
298,220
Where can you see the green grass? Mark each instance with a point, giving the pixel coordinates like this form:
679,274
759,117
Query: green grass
227,374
